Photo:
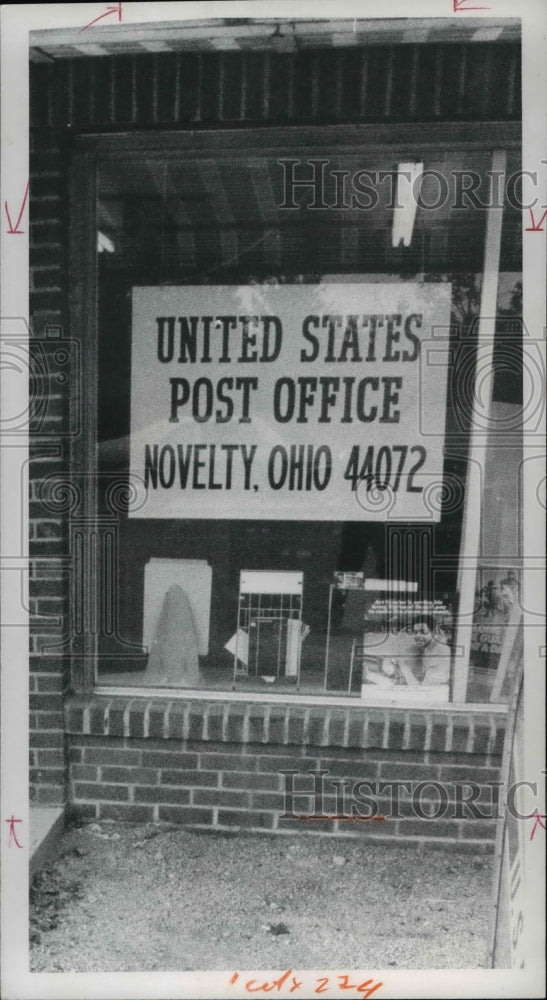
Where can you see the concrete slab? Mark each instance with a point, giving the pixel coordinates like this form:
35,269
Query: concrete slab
46,826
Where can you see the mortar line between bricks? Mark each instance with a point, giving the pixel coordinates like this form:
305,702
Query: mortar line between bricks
428,732
345,736
185,720
145,721
365,729
166,718
266,733
245,733
449,734
46,268
491,738
360,743
306,726
385,737
225,718
285,732
205,723
126,720
325,730
406,731
471,735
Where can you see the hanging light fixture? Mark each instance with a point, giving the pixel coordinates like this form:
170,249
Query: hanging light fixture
408,188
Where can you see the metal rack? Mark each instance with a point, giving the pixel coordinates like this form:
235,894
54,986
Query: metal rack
269,625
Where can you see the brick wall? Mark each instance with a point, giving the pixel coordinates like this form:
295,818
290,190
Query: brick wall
145,91
50,401
211,765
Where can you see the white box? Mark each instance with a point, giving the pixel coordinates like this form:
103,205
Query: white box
195,578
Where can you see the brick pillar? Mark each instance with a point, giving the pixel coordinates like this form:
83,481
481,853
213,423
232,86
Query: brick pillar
50,424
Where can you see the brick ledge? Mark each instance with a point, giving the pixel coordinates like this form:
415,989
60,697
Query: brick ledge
283,724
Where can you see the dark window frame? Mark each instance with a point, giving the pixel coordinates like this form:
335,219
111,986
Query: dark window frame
403,141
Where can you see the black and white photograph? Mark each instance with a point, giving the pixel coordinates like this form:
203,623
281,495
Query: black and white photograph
273,498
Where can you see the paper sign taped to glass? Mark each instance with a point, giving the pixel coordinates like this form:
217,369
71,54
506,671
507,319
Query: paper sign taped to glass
302,402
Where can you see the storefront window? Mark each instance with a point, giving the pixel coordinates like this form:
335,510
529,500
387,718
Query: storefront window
280,413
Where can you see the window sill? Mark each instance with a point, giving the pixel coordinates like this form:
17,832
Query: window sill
285,698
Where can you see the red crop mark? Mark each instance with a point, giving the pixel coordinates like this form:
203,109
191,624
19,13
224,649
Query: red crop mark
536,227
538,818
14,230
117,9
12,834
460,5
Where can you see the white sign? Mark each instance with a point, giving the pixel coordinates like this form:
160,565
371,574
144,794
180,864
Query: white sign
304,402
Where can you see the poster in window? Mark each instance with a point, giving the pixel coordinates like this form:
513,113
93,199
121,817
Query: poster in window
497,605
406,652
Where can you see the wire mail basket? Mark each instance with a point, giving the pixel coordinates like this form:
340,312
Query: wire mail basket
269,625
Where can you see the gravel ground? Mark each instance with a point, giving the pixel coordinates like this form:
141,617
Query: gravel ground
127,898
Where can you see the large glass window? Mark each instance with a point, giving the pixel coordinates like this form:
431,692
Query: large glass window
210,264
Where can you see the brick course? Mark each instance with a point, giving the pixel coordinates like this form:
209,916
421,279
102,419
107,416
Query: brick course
146,717
239,786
